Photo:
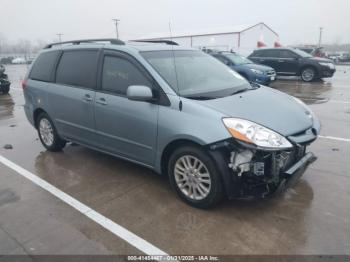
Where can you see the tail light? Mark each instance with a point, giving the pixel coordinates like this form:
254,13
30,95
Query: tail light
24,83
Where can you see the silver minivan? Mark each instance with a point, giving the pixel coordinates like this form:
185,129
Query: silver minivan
175,110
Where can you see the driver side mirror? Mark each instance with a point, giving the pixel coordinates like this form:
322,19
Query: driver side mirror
139,93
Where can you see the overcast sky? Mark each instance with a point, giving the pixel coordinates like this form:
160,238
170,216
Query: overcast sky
296,21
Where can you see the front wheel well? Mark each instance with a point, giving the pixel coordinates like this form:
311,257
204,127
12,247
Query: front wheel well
170,148
36,114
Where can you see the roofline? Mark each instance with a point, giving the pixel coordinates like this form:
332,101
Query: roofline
261,23
210,34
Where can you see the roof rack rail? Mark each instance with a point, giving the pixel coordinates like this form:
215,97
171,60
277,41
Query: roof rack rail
167,42
113,41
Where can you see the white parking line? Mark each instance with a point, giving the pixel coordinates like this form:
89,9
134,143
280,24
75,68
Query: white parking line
108,224
336,138
339,101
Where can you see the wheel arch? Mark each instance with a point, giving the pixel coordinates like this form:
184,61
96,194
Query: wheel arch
310,66
36,114
171,147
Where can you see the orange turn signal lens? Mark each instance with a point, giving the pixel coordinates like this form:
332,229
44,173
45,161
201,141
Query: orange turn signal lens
239,136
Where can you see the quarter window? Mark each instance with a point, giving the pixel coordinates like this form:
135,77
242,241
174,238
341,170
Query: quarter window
77,68
43,67
118,74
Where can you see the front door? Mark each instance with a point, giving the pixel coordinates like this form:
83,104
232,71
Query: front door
287,62
124,127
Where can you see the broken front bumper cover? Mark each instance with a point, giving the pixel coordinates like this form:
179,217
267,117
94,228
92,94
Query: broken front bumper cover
255,173
293,174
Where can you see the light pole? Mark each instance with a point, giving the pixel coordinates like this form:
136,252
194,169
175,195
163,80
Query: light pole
320,37
116,26
59,37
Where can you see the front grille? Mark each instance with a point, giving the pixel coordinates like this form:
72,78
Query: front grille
304,137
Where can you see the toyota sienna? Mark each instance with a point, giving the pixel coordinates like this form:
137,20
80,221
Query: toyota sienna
176,110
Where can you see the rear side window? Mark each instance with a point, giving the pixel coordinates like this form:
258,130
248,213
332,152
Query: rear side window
77,68
268,53
43,68
286,54
118,74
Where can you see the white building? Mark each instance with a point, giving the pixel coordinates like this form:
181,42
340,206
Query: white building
242,38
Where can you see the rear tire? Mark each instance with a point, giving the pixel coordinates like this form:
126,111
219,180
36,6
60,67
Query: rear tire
48,134
195,177
5,90
308,74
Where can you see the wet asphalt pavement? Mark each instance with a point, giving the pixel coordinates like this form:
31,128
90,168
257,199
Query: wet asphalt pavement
311,218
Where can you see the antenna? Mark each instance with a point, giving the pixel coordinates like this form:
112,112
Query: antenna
174,62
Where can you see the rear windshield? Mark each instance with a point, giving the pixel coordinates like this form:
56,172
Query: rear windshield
43,67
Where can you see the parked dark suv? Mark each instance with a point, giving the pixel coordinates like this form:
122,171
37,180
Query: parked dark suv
294,62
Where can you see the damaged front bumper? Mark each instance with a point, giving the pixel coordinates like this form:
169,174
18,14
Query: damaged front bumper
257,173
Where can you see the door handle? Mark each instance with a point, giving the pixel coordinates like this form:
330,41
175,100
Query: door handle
101,101
87,98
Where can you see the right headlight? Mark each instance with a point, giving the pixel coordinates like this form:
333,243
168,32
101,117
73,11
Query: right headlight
256,134
327,64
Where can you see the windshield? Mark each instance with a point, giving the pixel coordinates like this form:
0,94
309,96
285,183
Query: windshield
238,59
302,53
198,74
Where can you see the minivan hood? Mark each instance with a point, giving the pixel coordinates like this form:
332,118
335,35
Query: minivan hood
267,107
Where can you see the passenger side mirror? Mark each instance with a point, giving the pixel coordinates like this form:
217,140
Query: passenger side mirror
139,93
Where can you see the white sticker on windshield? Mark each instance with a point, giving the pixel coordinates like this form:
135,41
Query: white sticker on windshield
236,74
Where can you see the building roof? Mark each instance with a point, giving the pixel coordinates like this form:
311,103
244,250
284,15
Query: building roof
204,31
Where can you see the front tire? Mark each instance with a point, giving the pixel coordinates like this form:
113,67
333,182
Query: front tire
308,74
48,134
195,177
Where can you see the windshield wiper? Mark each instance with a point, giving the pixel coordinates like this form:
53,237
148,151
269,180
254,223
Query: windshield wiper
200,97
252,84
240,91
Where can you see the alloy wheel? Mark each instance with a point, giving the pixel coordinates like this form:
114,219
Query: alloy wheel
308,74
46,132
192,177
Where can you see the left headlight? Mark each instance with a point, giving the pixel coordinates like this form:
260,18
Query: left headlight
256,134
259,72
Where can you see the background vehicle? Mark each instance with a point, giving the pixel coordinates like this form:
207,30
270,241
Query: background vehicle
177,111
315,51
294,62
4,83
252,72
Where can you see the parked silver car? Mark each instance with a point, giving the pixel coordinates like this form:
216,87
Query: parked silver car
175,110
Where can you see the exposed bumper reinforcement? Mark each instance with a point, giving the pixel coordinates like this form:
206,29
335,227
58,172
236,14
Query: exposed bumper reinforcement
293,174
